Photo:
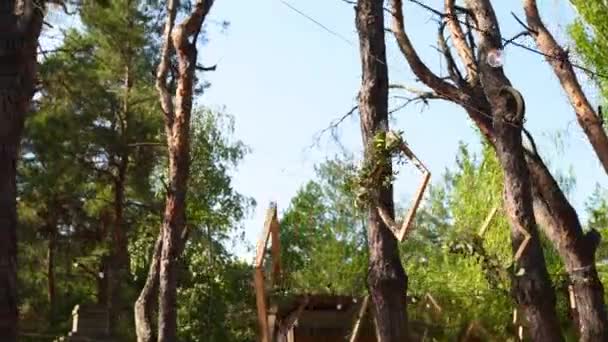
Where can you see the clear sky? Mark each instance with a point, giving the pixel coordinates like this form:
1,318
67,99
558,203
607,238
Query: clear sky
284,79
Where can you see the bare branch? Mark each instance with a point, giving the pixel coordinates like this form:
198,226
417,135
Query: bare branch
63,5
335,123
419,92
515,37
453,70
458,37
166,100
407,102
563,69
420,69
204,68
147,144
521,22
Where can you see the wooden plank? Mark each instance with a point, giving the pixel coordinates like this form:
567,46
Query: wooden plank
524,244
276,249
476,326
261,247
412,212
572,297
287,323
260,298
488,220
434,302
355,334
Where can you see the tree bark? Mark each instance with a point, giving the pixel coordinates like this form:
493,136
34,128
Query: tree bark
558,58
177,110
532,291
576,249
51,288
386,279
144,306
18,42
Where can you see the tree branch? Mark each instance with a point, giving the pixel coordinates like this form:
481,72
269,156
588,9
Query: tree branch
166,100
418,67
453,70
558,58
204,68
460,43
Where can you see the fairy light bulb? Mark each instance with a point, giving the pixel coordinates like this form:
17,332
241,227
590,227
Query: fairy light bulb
495,58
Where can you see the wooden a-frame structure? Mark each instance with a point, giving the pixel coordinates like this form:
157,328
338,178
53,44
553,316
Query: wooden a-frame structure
400,231
270,232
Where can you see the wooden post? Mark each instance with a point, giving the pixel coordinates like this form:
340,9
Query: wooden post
270,232
355,334
260,297
488,220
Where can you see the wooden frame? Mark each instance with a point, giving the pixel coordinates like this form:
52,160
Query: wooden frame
270,232
486,225
475,325
401,232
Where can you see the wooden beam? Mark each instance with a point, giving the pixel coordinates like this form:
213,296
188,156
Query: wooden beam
270,230
262,242
412,212
288,322
488,220
276,249
355,334
434,302
475,325
260,297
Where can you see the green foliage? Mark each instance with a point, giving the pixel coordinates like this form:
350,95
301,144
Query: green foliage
384,149
465,273
214,286
590,33
98,108
323,241
324,246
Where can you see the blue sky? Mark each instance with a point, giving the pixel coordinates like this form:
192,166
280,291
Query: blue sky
284,79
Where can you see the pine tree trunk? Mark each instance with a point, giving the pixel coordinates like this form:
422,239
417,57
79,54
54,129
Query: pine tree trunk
144,306
177,110
386,279
560,223
8,231
120,270
531,285
120,246
18,43
51,288
175,205
532,291
577,250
